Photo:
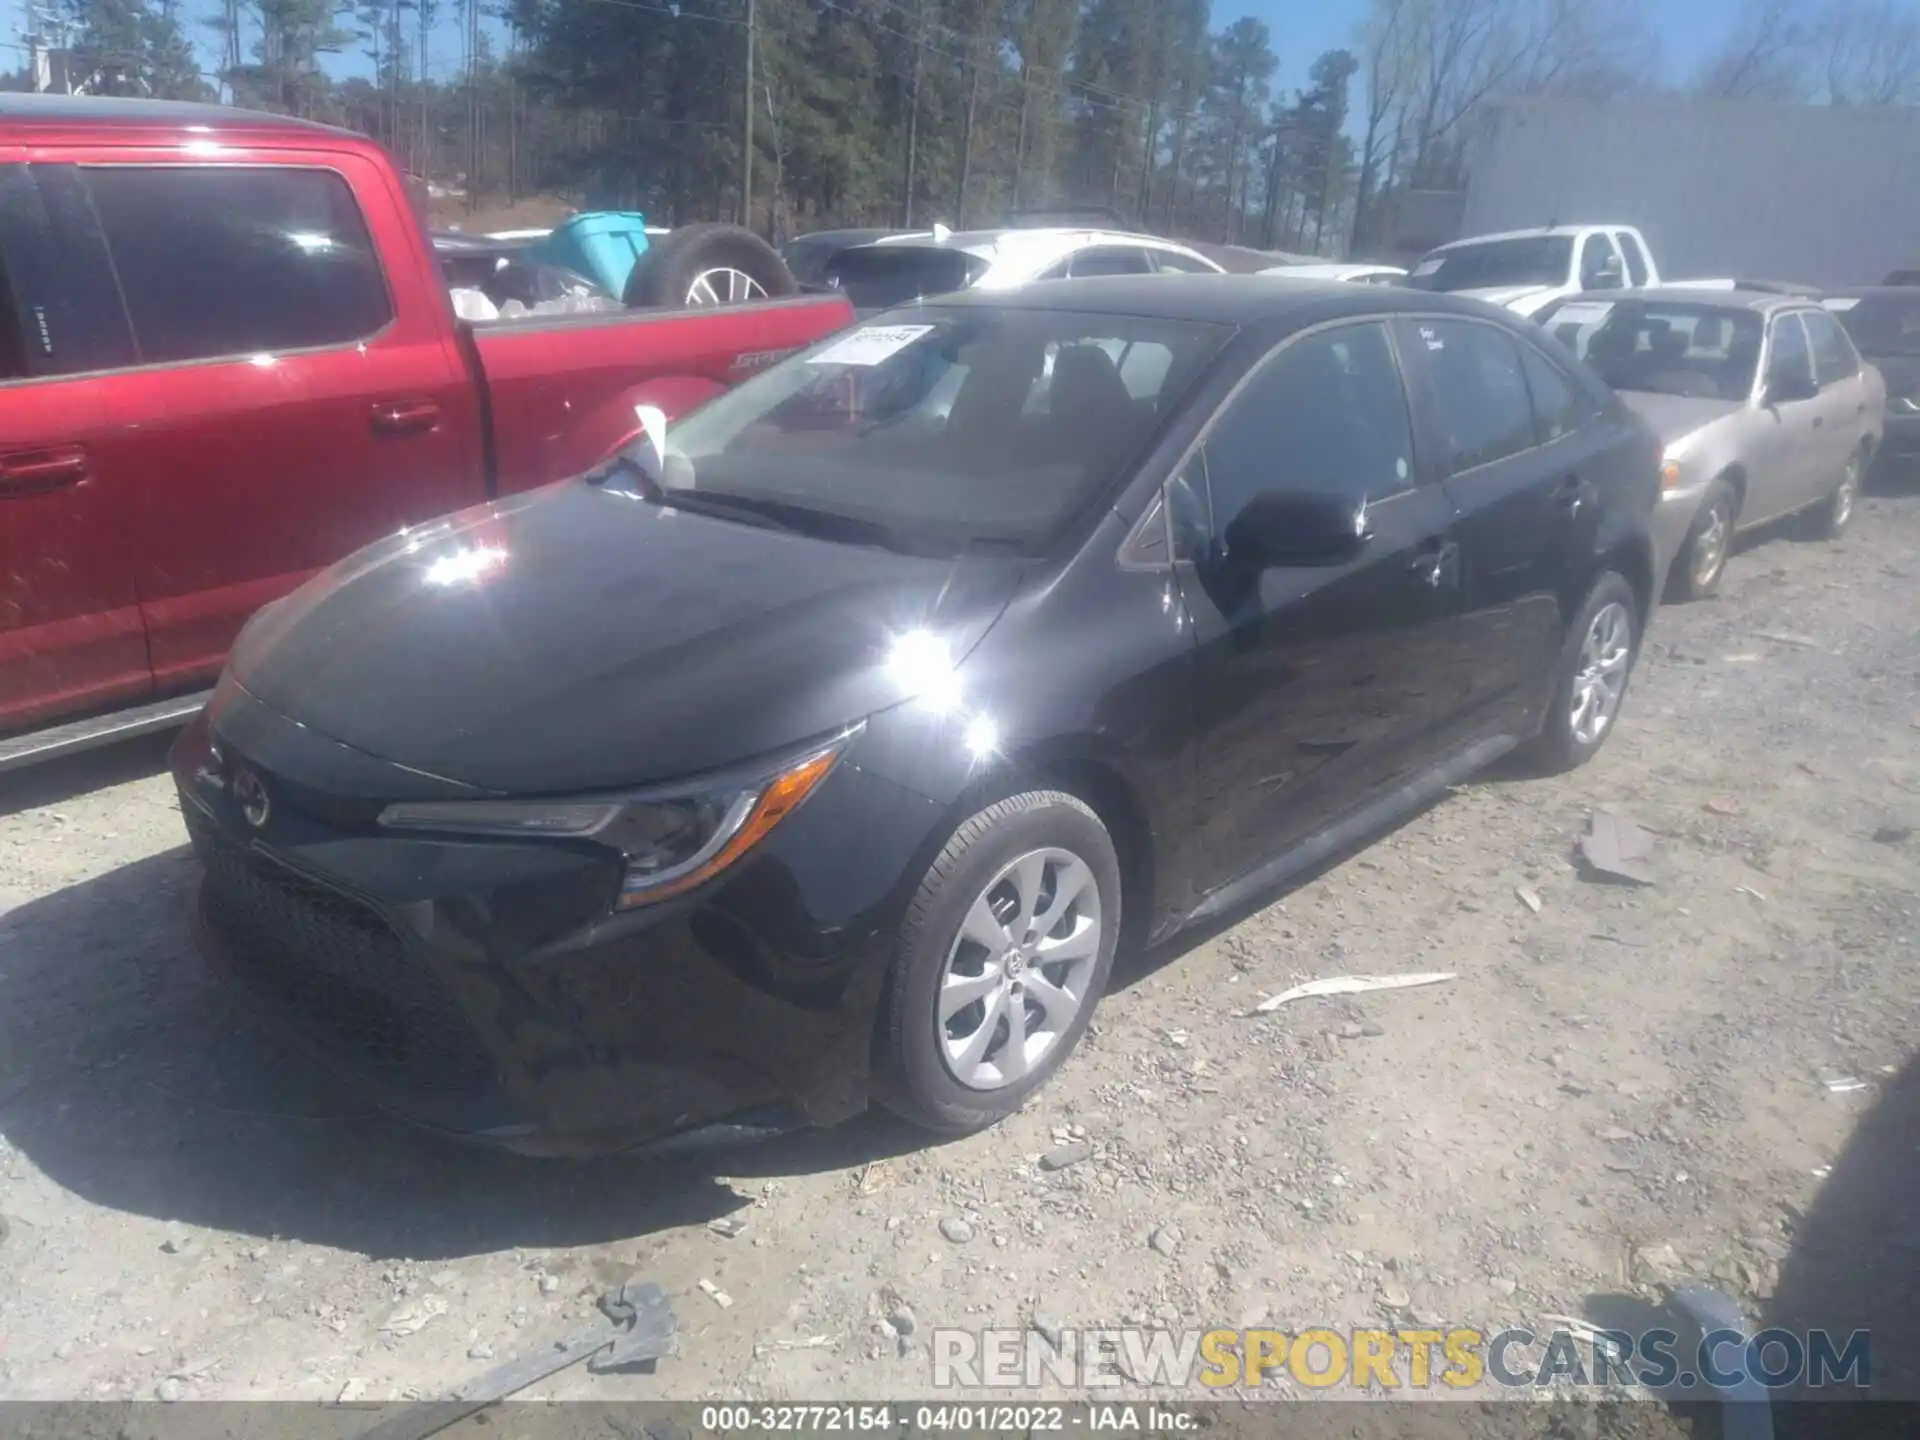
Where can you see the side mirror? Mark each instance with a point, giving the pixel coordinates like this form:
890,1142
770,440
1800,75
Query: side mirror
1284,528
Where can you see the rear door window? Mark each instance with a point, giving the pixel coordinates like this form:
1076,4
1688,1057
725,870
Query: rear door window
1481,405
216,262
1834,358
878,277
1174,261
1558,407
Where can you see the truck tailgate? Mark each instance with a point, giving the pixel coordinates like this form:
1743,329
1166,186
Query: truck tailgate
561,389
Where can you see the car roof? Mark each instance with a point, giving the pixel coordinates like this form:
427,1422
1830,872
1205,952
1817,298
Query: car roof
1331,269
1536,232
1236,300
89,111
1762,301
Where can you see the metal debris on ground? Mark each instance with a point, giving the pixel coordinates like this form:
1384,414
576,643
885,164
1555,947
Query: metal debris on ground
1351,985
639,1331
1780,637
1616,846
1838,1084
727,1226
714,1293
1529,898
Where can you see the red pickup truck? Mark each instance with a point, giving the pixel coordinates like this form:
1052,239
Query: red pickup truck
227,359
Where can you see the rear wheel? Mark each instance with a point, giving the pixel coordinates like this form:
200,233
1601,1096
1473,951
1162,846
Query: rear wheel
1833,514
702,265
1590,682
1702,560
1003,955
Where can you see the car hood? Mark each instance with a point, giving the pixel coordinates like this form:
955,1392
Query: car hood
579,638
1524,298
1674,417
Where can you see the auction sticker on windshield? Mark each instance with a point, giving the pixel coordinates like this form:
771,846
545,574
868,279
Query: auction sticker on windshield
871,345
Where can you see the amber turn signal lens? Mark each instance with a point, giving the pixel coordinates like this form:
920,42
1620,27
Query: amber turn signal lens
781,797
1669,475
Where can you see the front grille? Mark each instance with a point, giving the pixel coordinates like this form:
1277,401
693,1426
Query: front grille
344,977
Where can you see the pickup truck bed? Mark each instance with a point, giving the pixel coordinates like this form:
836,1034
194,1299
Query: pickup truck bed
227,359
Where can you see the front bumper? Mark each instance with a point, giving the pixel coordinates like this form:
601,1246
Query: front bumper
1672,519
487,990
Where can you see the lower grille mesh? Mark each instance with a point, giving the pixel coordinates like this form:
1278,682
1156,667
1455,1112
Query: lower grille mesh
343,975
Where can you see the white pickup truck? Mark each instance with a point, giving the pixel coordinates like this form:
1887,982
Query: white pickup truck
1526,269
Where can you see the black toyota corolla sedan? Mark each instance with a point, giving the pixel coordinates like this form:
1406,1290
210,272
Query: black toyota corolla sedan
824,745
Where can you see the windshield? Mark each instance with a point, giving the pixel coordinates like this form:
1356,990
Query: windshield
879,277
1882,324
1527,260
936,431
1710,352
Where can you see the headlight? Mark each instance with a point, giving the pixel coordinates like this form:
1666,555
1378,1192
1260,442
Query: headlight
673,840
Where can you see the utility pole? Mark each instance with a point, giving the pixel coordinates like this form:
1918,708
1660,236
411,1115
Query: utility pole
913,112
746,142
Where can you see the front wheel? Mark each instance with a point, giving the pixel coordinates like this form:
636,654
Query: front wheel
1590,681
1703,558
1833,514
1002,957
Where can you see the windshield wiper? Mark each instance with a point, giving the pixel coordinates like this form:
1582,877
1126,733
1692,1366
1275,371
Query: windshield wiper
780,515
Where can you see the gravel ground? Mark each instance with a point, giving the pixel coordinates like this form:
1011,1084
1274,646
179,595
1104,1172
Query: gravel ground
1623,1086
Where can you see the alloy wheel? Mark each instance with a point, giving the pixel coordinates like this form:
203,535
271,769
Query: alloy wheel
724,286
1602,678
1710,546
1018,973
1846,492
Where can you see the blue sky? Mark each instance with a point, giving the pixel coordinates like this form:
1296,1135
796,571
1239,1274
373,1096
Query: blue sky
1688,30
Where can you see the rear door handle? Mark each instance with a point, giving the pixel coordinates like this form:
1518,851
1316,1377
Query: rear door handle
30,472
405,417
1573,492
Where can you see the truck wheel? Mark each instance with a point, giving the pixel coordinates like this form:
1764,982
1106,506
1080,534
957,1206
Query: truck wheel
700,265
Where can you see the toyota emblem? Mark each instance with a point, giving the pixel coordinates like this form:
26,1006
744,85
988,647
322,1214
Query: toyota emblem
252,798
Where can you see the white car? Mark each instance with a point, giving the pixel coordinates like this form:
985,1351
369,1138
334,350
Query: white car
1346,272
1525,270
902,268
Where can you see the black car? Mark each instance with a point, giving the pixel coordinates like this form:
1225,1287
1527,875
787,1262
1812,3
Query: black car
1884,325
826,748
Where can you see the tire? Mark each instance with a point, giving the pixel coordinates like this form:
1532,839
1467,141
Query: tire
919,1057
1702,561
1562,744
686,265
1831,517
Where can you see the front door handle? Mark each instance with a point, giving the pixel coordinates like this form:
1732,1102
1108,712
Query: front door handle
405,417
32,472
1432,561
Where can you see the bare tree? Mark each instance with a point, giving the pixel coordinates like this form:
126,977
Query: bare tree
1765,58
1867,52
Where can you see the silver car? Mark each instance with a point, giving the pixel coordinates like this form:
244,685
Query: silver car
1763,404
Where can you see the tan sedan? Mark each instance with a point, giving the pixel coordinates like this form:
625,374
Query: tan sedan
1762,403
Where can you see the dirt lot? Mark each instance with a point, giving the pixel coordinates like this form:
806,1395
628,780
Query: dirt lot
1629,1085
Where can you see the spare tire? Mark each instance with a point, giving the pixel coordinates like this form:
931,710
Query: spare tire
708,265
